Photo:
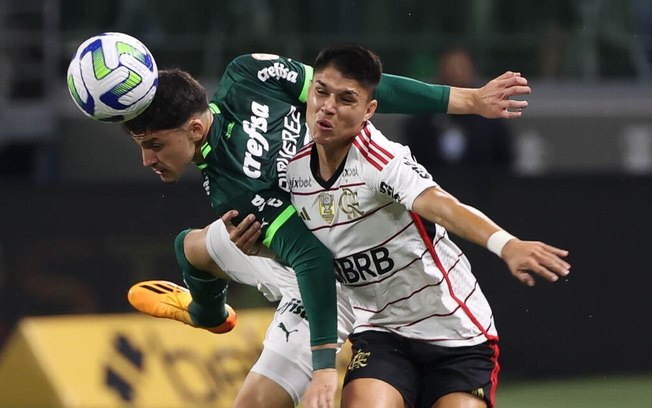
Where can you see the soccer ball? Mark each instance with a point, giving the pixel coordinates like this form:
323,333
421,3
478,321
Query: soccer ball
112,77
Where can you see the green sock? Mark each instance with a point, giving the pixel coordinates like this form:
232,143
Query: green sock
208,292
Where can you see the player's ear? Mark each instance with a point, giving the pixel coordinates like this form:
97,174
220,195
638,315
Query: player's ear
197,128
371,109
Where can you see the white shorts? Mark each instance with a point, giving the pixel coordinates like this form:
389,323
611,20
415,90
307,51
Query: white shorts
286,357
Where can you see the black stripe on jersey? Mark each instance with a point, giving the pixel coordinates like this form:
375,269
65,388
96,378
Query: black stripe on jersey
432,285
399,232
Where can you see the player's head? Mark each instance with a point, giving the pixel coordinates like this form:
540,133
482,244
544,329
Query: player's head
178,97
341,95
171,129
353,62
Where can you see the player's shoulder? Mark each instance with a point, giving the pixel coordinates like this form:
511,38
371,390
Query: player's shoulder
273,65
301,160
375,150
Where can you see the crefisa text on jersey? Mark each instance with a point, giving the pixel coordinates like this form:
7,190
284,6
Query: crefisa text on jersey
258,145
278,71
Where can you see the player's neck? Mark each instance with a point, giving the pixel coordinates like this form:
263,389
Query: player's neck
330,158
207,119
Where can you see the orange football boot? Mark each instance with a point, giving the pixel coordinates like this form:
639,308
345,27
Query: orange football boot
168,300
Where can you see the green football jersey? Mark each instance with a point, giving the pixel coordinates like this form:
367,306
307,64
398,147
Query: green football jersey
258,126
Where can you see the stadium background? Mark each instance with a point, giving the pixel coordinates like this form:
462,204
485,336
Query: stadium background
80,219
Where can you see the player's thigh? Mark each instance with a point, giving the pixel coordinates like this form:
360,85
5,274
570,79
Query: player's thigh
290,373
460,400
371,393
386,358
260,391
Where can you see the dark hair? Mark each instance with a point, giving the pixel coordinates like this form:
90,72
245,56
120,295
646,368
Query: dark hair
178,97
354,62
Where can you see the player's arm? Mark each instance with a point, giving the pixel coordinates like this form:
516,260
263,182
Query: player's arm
406,181
313,264
292,235
523,258
397,94
283,78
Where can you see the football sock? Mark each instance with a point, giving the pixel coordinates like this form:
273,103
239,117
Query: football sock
208,292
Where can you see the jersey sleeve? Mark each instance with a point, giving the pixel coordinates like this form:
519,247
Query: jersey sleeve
397,94
280,77
402,179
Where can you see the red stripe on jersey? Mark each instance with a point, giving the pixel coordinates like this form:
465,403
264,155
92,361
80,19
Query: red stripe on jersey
378,156
494,374
376,149
367,214
433,253
364,154
300,156
303,152
368,148
307,146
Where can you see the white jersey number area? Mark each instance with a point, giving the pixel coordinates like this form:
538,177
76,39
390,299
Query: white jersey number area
397,278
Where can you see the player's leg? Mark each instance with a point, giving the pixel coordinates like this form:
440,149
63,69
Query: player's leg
369,392
260,391
204,304
460,400
284,368
275,381
381,372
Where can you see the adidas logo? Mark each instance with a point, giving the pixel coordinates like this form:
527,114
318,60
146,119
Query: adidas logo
304,214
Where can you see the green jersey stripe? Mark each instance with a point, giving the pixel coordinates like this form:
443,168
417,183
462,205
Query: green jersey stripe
205,149
306,84
277,223
214,108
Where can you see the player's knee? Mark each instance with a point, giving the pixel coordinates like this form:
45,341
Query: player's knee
191,252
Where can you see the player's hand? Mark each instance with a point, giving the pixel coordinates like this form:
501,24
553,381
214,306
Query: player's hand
494,99
245,235
321,390
528,258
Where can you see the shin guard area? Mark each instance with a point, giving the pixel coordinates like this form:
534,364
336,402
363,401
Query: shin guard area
208,292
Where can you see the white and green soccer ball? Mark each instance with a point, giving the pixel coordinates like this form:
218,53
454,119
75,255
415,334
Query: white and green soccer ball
112,77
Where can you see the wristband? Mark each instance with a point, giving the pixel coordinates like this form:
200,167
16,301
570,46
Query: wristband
497,241
323,358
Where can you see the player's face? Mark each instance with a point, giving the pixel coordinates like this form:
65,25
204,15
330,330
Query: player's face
168,152
337,108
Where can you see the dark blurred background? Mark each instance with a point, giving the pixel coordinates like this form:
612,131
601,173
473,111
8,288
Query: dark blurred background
81,220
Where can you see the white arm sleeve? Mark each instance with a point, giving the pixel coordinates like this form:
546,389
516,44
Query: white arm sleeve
249,270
